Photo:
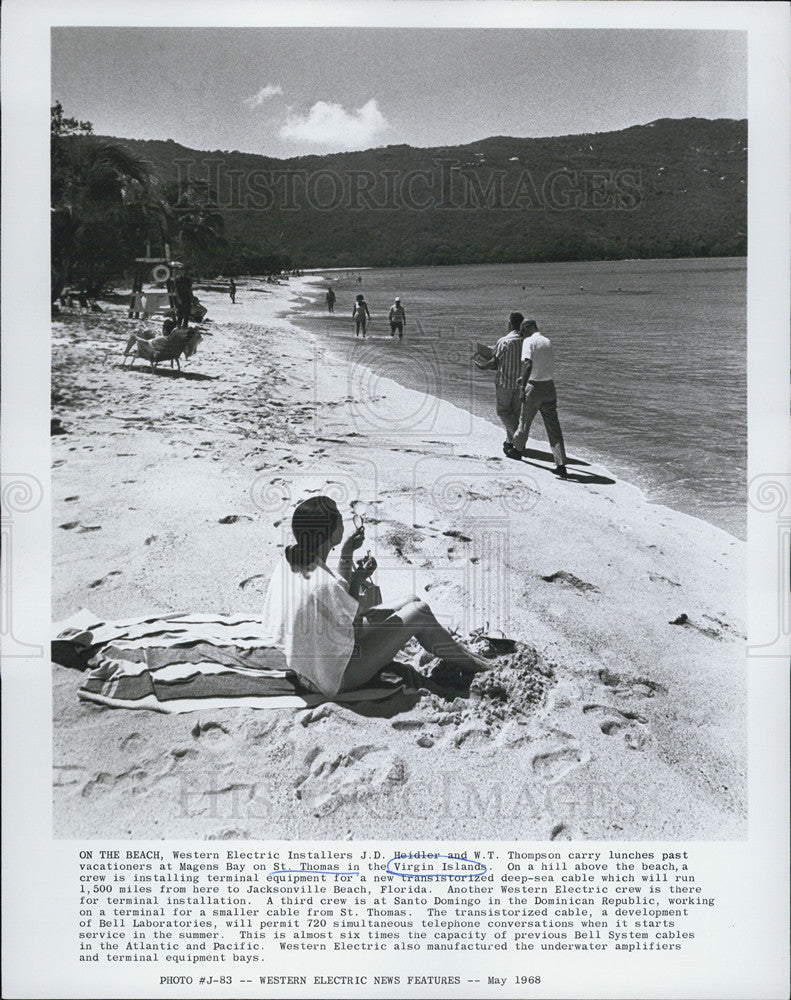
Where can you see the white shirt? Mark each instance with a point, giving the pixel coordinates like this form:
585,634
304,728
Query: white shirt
539,350
310,616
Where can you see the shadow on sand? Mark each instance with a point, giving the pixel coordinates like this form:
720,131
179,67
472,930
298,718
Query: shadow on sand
405,701
587,478
546,456
172,373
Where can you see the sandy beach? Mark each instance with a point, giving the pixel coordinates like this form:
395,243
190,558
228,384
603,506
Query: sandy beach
173,492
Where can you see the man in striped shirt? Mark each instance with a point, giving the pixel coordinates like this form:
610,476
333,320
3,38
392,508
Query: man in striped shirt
507,360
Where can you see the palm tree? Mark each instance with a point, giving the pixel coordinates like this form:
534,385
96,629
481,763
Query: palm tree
92,183
191,221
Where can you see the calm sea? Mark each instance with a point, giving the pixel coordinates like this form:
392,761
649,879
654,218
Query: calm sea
650,359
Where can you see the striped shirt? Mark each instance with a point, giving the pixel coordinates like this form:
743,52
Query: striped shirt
508,351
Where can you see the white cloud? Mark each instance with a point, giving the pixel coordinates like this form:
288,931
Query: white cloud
331,125
264,94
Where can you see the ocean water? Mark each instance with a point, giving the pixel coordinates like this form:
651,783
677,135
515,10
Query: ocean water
650,359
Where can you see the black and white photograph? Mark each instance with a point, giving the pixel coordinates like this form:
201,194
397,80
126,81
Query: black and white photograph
339,388
411,428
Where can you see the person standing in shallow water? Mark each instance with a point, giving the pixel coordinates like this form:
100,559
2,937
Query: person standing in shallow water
360,314
538,396
232,290
315,616
330,297
397,319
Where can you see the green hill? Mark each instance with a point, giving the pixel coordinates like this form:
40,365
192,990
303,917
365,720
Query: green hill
672,188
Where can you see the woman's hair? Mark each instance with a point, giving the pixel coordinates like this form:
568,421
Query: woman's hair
314,521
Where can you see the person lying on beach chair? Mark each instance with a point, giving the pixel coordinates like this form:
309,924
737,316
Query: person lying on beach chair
168,327
316,617
164,347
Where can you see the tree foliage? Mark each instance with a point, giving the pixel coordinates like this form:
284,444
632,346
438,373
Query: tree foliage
107,209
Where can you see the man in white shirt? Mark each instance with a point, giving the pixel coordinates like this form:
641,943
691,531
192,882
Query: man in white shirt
538,395
397,319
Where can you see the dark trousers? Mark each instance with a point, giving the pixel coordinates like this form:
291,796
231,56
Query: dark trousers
540,397
183,311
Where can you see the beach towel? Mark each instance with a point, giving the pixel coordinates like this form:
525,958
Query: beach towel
184,663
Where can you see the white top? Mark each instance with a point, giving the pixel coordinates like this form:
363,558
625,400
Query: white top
310,615
539,350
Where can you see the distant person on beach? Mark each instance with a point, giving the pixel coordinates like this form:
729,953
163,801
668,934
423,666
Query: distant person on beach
507,362
315,615
136,304
330,296
538,395
360,314
397,319
232,290
182,287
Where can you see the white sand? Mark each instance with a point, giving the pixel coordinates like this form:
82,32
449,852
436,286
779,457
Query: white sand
640,733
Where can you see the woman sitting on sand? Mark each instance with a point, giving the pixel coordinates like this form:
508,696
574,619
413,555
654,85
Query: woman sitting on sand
316,617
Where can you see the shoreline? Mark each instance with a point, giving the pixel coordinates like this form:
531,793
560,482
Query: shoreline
639,734
601,463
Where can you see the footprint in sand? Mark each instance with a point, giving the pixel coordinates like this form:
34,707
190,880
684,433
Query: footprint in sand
336,779
232,833
66,774
104,579
633,737
102,781
556,764
212,735
473,734
612,710
245,583
685,621
325,711
564,577
560,832
234,518
621,723
625,687
135,781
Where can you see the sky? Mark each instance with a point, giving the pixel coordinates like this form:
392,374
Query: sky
289,91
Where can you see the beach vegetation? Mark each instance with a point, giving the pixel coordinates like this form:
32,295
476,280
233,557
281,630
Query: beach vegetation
92,184
671,188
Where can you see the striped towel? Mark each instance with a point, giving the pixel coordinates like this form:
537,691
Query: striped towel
183,663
